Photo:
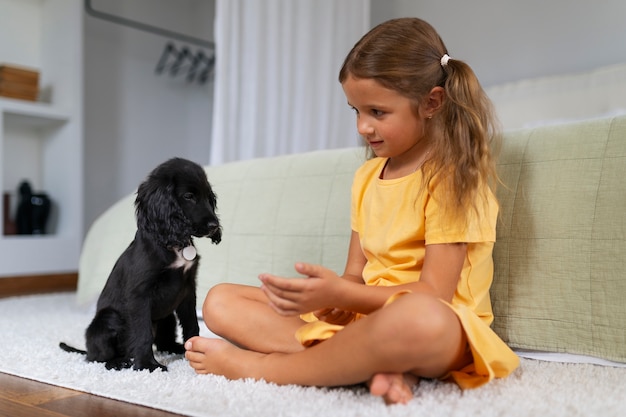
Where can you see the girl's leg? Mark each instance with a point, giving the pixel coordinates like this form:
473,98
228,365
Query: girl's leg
241,314
416,334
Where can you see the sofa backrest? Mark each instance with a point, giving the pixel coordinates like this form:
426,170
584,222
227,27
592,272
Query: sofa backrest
560,255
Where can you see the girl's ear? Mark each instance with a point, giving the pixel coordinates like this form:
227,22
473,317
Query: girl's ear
433,102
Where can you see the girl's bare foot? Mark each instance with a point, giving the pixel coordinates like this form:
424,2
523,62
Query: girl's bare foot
394,388
217,356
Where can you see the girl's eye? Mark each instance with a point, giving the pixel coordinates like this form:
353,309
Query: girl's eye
377,113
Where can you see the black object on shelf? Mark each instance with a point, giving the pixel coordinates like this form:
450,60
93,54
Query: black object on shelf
33,211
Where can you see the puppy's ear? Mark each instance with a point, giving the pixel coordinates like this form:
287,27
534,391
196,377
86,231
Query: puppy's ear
158,212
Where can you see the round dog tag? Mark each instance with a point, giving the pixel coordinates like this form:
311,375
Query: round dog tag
189,253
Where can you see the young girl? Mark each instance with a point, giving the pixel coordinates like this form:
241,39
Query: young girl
413,301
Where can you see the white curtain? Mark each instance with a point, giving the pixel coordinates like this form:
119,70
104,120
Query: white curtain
276,88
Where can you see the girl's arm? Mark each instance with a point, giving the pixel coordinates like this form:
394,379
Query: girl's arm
356,260
325,289
440,276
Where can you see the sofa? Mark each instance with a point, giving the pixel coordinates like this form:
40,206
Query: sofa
560,254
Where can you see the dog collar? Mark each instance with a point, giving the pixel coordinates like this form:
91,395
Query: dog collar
189,252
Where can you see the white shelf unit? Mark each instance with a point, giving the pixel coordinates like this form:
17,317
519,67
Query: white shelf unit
42,142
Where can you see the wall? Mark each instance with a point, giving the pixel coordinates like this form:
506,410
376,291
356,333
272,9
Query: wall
510,39
134,118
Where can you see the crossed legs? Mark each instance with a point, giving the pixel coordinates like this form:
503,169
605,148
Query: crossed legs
415,336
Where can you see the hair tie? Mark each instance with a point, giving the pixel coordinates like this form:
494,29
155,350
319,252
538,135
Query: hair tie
444,60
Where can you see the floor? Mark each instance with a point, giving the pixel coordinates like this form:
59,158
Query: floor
21,397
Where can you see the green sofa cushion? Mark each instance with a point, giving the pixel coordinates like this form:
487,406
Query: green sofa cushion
560,255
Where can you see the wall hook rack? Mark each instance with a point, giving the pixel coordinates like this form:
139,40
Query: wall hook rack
198,66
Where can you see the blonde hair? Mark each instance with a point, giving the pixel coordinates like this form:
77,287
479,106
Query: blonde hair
405,55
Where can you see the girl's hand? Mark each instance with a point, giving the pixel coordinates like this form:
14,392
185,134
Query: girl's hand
294,296
335,316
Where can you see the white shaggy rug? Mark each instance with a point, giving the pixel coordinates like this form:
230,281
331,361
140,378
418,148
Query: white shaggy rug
33,326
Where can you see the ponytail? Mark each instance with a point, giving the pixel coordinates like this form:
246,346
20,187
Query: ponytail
469,139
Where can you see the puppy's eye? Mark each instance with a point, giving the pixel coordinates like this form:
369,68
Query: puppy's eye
189,196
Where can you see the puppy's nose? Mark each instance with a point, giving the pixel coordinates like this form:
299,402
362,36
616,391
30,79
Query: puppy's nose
215,231
212,224
213,228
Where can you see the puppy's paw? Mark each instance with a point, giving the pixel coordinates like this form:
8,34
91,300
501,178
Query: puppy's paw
151,366
118,364
159,366
175,348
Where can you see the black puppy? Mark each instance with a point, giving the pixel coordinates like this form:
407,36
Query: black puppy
154,281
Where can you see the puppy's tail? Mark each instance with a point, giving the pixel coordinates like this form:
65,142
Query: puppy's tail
71,349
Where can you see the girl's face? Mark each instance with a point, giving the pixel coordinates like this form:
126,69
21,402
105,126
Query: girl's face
386,120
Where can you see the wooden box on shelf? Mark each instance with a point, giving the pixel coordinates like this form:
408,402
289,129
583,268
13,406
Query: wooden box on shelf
19,82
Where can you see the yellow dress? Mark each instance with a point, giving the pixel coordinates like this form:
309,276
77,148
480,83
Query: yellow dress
395,222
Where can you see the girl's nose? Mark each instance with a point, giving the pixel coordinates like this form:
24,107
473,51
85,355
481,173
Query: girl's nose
363,127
